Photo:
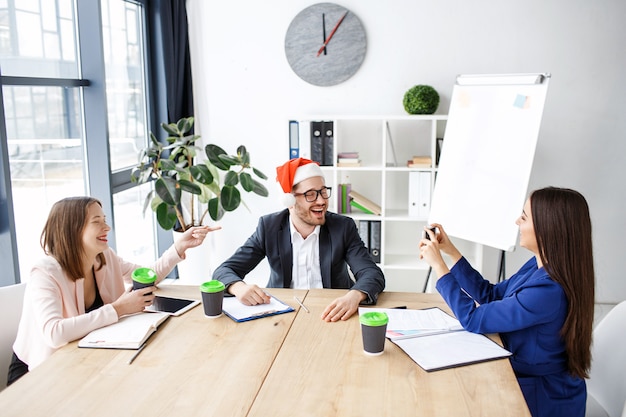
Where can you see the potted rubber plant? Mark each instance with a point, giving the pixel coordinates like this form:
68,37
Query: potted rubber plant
186,190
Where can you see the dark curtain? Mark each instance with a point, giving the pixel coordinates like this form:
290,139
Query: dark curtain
177,60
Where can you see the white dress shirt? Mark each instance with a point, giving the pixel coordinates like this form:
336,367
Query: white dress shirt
306,272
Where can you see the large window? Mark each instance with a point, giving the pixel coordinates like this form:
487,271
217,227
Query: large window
124,57
75,115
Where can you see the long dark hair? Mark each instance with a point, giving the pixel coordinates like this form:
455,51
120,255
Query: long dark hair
563,230
62,236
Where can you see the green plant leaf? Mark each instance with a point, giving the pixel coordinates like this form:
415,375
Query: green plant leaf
214,188
154,140
189,186
231,179
259,174
135,175
154,204
166,216
213,152
184,125
246,181
206,194
168,165
229,160
169,190
201,173
260,189
243,155
230,198
215,209
170,128
153,152
148,200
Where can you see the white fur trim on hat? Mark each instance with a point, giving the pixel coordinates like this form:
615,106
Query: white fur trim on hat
304,172
287,199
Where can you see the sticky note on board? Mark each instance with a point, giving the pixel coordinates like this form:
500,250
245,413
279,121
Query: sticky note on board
464,99
521,102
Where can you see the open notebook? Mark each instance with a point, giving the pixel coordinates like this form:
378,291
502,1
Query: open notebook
130,332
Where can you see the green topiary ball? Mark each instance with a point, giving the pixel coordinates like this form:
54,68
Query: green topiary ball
421,99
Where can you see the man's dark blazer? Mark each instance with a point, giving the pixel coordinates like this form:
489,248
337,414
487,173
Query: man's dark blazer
339,245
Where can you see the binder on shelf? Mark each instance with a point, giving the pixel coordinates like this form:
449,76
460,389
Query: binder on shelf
364,232
438,148
328,143
365,202
419,194
317,142
294,139
374,246
305,138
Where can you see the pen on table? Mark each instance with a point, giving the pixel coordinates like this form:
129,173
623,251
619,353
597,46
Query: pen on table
136,354
402,307
301,305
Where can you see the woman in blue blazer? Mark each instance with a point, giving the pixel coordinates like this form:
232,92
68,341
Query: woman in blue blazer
544,312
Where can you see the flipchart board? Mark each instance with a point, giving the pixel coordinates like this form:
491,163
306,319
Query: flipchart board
487,156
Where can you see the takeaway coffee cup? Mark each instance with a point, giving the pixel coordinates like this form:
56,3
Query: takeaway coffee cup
212,298
143,277
373,328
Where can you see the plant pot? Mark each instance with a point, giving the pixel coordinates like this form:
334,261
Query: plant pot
197,267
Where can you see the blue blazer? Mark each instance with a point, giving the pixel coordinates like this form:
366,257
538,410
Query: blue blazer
339,244
528,310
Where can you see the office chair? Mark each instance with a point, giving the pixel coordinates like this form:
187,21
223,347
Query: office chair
606,386
11,300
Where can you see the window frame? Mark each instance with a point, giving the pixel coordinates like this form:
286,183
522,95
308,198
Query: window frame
92,83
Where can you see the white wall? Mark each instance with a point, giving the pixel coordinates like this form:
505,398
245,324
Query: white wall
246,92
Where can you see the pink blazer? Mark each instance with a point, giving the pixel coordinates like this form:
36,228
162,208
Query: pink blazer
54,305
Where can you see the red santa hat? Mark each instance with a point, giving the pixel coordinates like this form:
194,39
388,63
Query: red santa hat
291,173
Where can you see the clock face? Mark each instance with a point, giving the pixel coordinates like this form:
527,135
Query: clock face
325,44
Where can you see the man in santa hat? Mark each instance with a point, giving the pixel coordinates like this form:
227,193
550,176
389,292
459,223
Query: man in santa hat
306,247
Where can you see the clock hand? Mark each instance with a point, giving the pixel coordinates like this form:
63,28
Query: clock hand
323,48
324,30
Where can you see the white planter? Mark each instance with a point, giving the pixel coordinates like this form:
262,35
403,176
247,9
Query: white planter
197,267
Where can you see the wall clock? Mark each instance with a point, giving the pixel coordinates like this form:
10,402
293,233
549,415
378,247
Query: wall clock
325,44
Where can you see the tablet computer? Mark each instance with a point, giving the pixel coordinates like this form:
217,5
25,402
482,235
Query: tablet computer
171,305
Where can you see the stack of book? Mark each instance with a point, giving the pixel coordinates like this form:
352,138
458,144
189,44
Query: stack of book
348,159
363,204
420,162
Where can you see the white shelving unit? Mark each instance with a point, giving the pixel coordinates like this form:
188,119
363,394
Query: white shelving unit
385,144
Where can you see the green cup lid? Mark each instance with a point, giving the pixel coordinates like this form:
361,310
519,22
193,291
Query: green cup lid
144,275
212,286
374,318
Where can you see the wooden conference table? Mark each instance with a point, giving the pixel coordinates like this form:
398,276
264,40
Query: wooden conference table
291,364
